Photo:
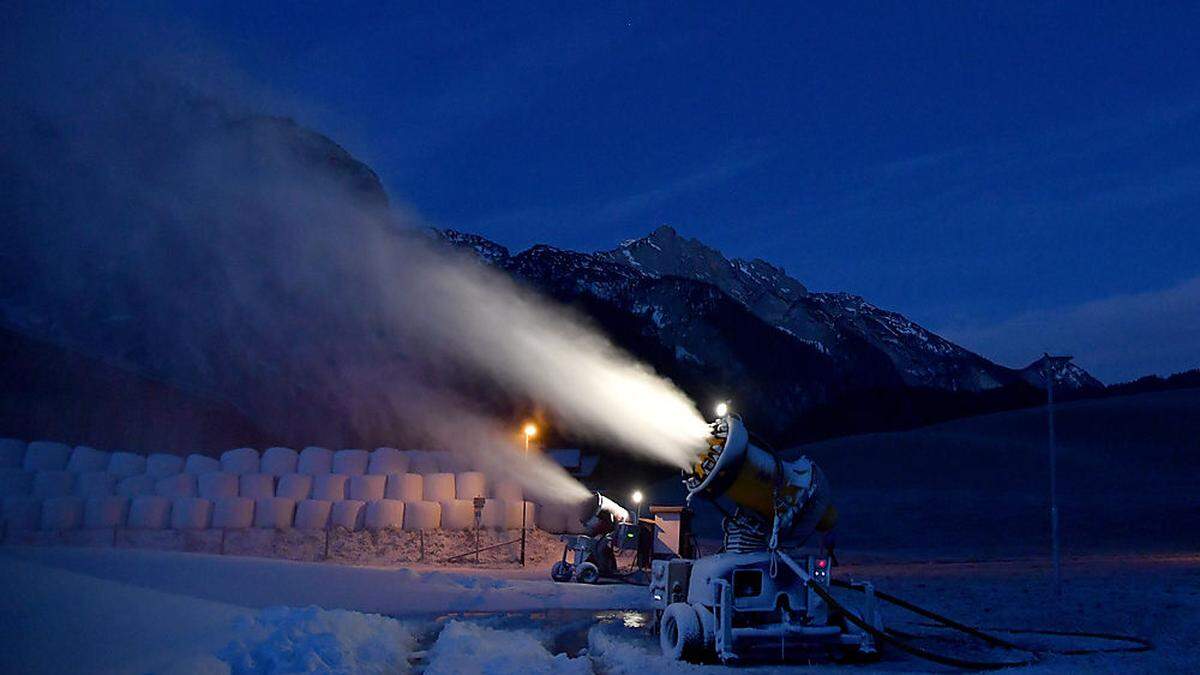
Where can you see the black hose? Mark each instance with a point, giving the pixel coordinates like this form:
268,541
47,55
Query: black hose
896,638
902,645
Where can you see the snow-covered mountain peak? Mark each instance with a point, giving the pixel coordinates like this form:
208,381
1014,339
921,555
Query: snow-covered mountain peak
1064,373
484,248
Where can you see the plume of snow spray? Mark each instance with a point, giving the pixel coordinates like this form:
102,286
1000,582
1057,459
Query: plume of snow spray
153,223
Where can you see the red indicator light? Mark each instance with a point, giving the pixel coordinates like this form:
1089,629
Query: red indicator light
821,564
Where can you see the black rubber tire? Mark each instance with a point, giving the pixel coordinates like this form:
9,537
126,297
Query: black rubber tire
680,634
588,573
561,571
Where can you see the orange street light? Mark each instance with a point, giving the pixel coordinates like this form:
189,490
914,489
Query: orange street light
530,430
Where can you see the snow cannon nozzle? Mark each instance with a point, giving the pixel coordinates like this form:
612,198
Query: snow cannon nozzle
600,515
754,478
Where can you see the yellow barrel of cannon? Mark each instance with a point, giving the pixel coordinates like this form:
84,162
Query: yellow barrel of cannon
734,468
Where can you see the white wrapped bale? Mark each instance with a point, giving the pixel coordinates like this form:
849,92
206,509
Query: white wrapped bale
351,462
407,487
191,513
422,463
469,485
367,488
387,461
22,513
439,487
217,485
12,453
62,513
458,514
256,486
509,491
274,512
136,486
349,514
233,513
295,486
240,461
422,515
385,514
161,465
279,461
126,464
176,487
15,483
330,487
102,512
313,514
150,513
198,465
84,459
48,484
315,461
46,456
95,484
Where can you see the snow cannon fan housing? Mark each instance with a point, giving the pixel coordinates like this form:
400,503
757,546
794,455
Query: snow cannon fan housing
734,468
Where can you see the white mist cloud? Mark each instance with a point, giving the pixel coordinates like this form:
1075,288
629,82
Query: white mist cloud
157,221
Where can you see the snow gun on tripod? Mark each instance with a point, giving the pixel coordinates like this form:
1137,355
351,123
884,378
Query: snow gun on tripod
610,529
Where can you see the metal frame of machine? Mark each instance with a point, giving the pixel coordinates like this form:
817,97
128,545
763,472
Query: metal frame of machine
758,597
594,555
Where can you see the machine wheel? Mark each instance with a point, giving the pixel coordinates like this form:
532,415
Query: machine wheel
588,573
680,633
561,571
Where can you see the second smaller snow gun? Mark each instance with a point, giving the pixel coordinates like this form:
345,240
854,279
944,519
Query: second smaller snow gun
610,528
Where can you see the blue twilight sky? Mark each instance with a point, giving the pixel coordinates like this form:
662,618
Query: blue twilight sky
1019,177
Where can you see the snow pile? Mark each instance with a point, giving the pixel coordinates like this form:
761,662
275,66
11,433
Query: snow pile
311,639
465,648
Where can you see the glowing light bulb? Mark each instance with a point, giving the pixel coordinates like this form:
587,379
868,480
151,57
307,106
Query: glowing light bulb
637,496
722,409
530,430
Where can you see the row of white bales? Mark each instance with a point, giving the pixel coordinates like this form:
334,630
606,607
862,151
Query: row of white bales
52,486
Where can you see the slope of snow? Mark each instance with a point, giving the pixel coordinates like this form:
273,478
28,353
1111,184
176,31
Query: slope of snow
468,649
55,621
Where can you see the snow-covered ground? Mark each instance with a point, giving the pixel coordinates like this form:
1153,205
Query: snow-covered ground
135,611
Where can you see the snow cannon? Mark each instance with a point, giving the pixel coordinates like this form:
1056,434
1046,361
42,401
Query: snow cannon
601,515
594,555
792,492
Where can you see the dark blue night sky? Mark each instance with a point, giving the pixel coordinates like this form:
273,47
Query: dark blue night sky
1019,177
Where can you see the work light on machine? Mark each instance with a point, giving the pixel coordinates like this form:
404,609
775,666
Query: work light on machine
722,409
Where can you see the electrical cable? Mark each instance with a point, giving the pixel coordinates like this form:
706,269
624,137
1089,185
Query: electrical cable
897,638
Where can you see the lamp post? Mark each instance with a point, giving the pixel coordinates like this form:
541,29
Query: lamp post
529,430
1049,370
